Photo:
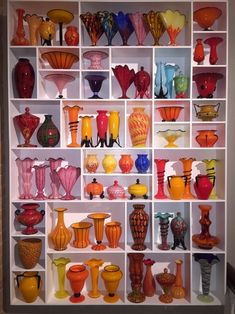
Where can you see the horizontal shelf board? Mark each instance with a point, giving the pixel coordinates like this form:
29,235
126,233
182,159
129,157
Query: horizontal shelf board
105,200
171,122
210,32
88,301
176,251
59,70
72,250
130,250
209,122
209,99
17,200
195,301
38,301
20,234
155,301
149,174
210,66
171,99
22,269
214,250
195,200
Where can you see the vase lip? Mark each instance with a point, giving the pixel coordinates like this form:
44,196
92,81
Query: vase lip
31,240
179,261
26,158
29,205
138,108
148,262
113,223
98,215
94,262
86,116
170,107
207,130
77,268
111,268
81,225
72,107
163,215
61,261
102,111
60,209
23,59
143,154
208,257
205,206
30,273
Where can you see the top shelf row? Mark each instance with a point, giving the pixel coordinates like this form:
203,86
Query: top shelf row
104,23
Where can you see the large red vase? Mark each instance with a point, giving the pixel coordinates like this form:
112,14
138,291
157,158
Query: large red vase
102,126
203,186
24,78
206,83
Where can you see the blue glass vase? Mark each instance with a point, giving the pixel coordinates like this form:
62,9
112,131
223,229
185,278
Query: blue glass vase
142,163
124,25
109,25
170,73
160,88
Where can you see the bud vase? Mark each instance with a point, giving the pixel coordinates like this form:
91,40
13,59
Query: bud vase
164,226
149,285
60,264
60,235
178,291
94,265
48,134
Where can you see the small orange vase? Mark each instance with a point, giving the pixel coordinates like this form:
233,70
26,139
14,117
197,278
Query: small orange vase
198,55
73,123
60,236
178,291
126,163
176,187
81,234
113,231
206,138
77,274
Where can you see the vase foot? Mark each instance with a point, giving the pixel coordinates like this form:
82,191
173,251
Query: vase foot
164,247
75,299
138,247
205,298
68,197
166,298
73,145
111,299
26,145
98,247
29,230
136,297
160,196
61,294
93,294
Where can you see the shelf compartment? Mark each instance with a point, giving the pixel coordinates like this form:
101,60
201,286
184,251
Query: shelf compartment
181,142
87,92
218,105
184,115
86,63
220,132
108,258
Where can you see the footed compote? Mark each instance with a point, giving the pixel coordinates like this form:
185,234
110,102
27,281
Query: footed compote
125,78
140,26
174,22
171,136
93,26
95,57
109,25
60,16
95,82
68,177
27,124
155,24
98,219
166,281
124,25
60,80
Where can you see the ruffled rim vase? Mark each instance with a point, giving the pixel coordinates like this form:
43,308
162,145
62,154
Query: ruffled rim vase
68,177
60,264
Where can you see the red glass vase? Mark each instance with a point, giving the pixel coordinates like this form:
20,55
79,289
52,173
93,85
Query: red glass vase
160,164
198,55
206,83
24,78
71,36
203,186
102,127
213,43
125,78
142,82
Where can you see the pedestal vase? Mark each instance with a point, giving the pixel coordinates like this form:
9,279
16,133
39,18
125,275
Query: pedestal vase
98,219
40,181
68,176
55,181
111,276
72,112
77,275
160,165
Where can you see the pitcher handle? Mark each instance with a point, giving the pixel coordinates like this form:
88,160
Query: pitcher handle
39,280
195,105
168,180
17,279
212,177
217,105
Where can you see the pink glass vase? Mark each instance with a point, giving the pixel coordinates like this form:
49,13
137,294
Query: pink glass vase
40,180
140,26
125,78
55,181
102,127
25,177
68,177
160,164
60,80
213,42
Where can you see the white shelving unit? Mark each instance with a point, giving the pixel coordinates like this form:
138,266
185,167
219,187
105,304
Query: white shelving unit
44,101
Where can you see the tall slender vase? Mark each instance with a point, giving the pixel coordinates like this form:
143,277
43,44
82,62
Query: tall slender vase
60,264
114,125
149,285
164,226
160,164
206,262
136,276
160,89
211,171
34,21
187,168
25,177
98,219
86,131
73,123
102,127
19,38
40,180
204,240
138,124
60,235
94,265
178,291
170,73
55,181
77,275
139,221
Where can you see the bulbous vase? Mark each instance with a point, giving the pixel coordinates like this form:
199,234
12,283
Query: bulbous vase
77,275
24,77
29,283
48,134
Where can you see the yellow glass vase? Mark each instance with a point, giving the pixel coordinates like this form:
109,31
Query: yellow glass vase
111,276
86,131
94,265
73,123
60,264
29,285
109,163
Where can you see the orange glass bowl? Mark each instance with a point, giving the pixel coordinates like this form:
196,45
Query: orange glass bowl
60,59
205,17
169,113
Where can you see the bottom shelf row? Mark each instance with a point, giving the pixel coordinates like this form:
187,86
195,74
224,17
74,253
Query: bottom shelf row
126,278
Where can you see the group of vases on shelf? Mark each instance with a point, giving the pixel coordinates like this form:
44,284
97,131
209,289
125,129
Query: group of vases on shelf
199,53
179,187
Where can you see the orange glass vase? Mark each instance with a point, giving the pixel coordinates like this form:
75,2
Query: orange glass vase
73,123
113,231
81,234
94,265
98,219
187,168
60,235
178,291
138,124
77,274
206,138
198,55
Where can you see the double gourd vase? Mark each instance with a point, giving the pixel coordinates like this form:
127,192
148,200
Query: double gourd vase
139,125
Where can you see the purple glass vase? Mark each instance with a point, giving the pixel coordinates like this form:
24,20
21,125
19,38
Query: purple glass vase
68,177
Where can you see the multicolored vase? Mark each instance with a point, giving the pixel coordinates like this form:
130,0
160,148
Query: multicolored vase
164,226
29,252
179,228
91,163
136,276
126,163
138,125
48,134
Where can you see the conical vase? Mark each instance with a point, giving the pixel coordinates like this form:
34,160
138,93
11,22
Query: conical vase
149,285
77,275
98,219
94,265
72,117
60,264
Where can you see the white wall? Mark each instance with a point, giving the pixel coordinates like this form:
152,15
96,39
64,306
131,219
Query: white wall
231,136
